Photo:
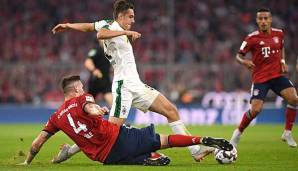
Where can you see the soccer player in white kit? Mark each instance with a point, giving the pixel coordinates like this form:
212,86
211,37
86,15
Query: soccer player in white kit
127,88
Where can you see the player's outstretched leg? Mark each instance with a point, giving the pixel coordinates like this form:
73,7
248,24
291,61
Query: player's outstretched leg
186,140
219,143
164,107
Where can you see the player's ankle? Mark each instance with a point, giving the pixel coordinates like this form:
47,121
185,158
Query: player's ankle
287,132
240,130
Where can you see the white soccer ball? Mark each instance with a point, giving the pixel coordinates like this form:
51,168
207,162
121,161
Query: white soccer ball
225,157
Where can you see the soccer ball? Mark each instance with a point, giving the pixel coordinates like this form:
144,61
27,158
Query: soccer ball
225,157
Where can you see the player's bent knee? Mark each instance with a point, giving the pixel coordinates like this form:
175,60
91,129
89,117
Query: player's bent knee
293,102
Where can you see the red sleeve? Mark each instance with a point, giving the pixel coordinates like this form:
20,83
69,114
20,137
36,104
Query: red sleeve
85,99
245,46
50,126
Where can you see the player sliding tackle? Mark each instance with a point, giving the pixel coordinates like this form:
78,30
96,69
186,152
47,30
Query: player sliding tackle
81,120
127,89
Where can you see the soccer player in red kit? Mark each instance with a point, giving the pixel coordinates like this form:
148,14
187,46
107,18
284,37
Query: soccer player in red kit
267,67
81,120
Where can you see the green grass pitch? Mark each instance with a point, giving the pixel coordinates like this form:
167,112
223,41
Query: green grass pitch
260,149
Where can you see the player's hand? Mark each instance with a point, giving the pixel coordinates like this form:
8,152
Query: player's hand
97,73
284,68
133,34
25,163
102,110
248,64
106,110
60,28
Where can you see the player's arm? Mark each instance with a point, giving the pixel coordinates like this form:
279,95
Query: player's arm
36,146
240,58
94,109
104,33
83,27
245,62
284,66
89,64
245,48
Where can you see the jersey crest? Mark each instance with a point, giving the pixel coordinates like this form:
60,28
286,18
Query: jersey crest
276,40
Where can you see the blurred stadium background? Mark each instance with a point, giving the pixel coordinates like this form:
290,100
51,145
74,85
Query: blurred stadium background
187,51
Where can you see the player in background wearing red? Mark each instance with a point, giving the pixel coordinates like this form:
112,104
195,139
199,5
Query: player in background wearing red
81,120
268,66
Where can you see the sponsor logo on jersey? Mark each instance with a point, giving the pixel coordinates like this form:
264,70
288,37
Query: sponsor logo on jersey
275,39
123,110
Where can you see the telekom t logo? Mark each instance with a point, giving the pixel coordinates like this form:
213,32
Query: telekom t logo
266,51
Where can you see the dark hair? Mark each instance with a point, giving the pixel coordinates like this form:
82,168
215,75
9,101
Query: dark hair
68,80
264,10
121,6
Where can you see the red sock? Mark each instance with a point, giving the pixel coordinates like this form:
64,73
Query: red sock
290,118
246,119
183,140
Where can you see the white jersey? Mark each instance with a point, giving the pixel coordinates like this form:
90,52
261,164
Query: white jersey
119,52
127,88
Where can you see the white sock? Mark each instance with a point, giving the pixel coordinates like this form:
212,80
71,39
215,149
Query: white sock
179,128
287,132
74,149
237,132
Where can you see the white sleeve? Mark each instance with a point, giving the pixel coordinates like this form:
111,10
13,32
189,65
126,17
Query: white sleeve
99,24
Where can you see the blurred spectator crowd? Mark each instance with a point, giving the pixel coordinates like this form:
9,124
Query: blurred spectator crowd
187,47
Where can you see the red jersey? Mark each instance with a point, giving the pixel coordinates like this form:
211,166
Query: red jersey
266,54
94,135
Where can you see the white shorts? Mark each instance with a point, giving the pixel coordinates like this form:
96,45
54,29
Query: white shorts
128,94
